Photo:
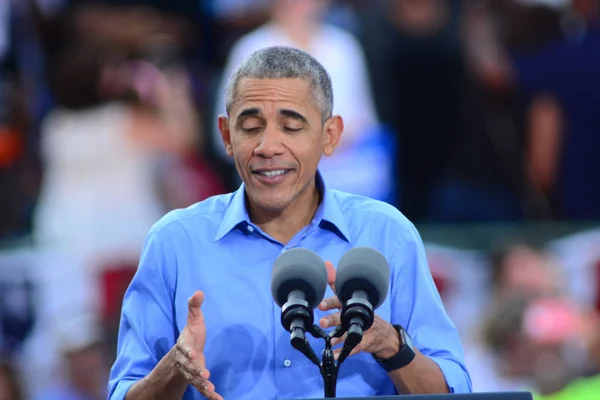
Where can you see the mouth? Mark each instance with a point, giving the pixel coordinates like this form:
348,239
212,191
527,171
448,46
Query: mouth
272,176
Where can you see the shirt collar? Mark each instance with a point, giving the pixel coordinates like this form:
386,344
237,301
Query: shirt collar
328,216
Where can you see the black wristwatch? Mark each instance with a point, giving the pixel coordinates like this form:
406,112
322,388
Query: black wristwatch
403,357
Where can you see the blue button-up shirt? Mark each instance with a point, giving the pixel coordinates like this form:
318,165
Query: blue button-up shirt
214,247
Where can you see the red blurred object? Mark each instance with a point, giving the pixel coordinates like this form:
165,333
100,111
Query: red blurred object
552,321
11,146
188,180
440,267
115,280
441,283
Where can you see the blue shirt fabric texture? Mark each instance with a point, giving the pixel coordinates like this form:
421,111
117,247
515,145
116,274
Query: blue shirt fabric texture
214,247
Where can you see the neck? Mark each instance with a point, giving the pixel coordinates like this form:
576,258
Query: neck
283,225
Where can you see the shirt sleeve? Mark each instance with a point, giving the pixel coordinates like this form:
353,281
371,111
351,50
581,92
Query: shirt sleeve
147,330
417,306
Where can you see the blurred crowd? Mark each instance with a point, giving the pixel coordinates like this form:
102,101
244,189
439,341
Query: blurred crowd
456,111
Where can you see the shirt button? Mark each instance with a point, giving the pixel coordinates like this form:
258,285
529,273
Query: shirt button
283,251
250,228
287,363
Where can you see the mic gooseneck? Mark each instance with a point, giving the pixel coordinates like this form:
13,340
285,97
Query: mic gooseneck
298,318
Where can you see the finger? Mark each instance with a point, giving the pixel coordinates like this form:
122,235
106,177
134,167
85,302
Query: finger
330,320
185,350
336,341
207,389
356,350
195,315
330,275
214,396
187,366
204,386
330,303
192,362
199,361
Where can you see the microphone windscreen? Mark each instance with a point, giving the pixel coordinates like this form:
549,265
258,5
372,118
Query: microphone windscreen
363,268
299,269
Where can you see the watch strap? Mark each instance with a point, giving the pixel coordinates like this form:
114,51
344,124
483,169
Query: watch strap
403,357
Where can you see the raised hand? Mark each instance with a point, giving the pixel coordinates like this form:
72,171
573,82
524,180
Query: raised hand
380,338
189,355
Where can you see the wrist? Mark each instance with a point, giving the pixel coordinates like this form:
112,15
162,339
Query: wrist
392,344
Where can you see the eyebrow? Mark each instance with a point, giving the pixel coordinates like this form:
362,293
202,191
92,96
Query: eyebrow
255,112
248,112
293,114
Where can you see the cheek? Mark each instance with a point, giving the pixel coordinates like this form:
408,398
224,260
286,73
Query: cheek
308,150
243,150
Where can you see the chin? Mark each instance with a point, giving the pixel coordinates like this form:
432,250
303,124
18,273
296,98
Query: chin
274,206
270,203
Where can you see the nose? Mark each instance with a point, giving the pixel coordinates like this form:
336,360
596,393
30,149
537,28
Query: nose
270,143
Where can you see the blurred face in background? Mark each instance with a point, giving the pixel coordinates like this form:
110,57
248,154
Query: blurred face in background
420,17
527,271
116,77
300,10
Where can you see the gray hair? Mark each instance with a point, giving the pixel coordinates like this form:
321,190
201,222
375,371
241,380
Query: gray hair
285,62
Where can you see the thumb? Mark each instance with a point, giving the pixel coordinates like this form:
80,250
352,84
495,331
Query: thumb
330,275
195,315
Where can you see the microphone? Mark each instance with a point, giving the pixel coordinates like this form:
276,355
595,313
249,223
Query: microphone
361,284
298,284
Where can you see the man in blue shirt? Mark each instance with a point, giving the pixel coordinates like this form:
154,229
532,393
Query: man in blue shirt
198,319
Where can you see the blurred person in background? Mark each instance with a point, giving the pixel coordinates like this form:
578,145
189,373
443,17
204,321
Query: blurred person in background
448,169
85,368
519,271
10,384
124,115
555,72
99,154
362,164
520,268
586,387
101,150
530,339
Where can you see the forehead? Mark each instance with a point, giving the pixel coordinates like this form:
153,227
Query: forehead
289,92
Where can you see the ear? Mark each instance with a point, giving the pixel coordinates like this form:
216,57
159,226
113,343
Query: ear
225,134
333,128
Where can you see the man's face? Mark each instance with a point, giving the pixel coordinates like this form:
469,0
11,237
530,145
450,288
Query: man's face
276,135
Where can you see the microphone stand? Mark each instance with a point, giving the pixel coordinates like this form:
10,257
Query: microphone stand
328,366
357,316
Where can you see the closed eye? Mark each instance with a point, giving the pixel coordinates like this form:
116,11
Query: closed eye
291,130
251,130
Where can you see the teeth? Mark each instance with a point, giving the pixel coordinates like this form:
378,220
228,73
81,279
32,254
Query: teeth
273,173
